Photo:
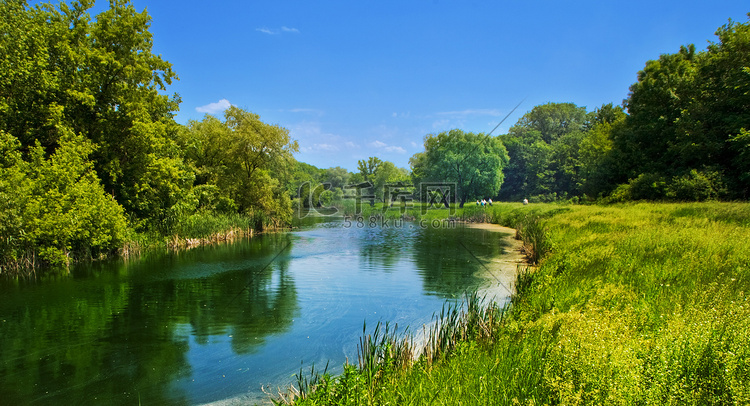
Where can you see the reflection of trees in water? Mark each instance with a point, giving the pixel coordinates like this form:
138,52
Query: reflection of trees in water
104,339
382,247
248,304
52,350
444,258
441,255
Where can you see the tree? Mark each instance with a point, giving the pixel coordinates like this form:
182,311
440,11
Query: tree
600,170
389,179
55,207
552,121
336,176
247,160
543,149
368,168
665,88
724,100
100,79
686,113
474,162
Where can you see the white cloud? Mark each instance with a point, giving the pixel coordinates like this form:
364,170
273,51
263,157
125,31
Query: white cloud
325,147
316,112
351,145
275,31
471,112
440,124
214,108
312,138
387,148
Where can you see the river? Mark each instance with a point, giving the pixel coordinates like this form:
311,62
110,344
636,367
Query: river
220,324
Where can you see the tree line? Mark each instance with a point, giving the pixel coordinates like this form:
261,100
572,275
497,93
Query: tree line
682,134
91,155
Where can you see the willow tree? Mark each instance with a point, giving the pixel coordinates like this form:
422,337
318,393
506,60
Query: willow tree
245,160
472,162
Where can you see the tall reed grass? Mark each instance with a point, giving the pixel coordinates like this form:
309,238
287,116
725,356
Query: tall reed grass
385,355
630,304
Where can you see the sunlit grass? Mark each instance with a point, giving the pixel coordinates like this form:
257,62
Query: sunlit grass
631,304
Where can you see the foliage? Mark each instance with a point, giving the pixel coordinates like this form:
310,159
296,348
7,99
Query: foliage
245,160
687,116
684,136
635,304
96,77
696,186
83,110
368,168
473,162
543,147
337,176
54,207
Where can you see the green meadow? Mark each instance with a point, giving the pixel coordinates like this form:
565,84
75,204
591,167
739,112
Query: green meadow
640,303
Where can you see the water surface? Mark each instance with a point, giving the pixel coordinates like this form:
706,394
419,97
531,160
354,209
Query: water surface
221,322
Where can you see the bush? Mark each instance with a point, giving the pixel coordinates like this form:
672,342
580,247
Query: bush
696,186
58,206
647,186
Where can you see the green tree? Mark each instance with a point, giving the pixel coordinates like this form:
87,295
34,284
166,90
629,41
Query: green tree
302,181
388,180
248,160
543,149
599,168
719,119
686,113
474,162
368,168
99,78
337,176
55,208
653,140
552,121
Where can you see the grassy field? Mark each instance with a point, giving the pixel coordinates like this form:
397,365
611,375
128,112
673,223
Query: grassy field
631,304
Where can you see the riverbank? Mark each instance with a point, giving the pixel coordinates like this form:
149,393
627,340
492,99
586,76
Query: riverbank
195,230
631,304
500,272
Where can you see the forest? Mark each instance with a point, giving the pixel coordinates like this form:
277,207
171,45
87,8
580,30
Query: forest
92,160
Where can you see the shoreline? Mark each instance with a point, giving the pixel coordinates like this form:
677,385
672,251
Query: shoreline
500,273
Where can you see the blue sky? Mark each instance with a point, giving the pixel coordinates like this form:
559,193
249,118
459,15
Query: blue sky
371,78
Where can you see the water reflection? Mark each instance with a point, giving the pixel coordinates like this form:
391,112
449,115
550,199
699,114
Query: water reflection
214,322
105,338
449,259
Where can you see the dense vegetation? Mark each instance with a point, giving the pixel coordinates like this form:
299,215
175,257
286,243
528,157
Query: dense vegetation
682,134
632,304
93,161
92,158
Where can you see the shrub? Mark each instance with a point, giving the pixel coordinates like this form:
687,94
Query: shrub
696,186
59,207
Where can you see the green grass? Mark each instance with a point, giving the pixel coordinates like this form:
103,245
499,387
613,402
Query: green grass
195,229
631,304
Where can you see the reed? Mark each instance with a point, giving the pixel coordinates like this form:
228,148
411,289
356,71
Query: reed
385,354
636,303
534,234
